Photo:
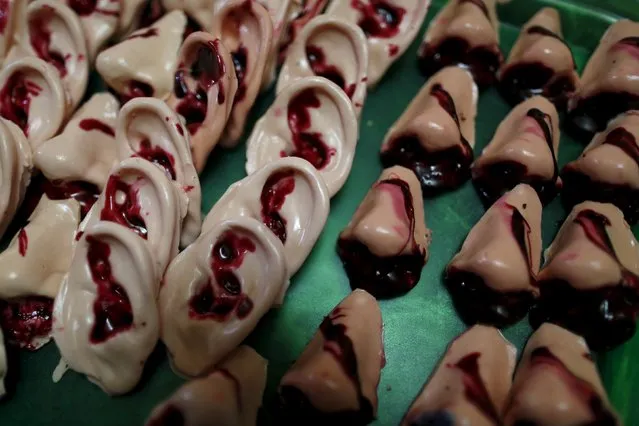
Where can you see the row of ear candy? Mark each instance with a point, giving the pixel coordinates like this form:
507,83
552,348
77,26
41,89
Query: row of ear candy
336,378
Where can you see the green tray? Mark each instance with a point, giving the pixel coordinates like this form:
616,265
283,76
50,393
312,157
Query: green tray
417,326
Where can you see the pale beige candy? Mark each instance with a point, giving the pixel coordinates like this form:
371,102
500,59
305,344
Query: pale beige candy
48,107
130,11
230,395
116,364
577,260
300,12
335,120
13,12
383,52
67,39
153,120
248,24
320,376
608,163
344,46
278,10
446,390
160,207
305,210
206,137
491,251
430,122
4,368
519,138
538,48
196,345
540,394
16,166
381,228
50,236
150,60
101,24
78,154
201,11
610,70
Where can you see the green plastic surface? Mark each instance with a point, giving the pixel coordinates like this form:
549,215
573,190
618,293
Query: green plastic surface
417,326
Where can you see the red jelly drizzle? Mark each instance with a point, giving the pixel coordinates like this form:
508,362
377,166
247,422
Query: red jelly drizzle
521,231
137,89
89,124
157,155
23,242
88,7
277,187
5,10
379,18
26,319
218,300
317,60
40,36
308,145
623,139
144,33
475,389
15,100
112,308
121,206
240,62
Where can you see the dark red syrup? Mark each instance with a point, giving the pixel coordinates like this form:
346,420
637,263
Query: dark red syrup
219,299
385,277
240,62
592,114
277,187
112,308
317,60
26,319
40,36
136,89
88,7
121,206
494,180
437,171
15,100
89,124
524,80
379,18
158,156
23,242
308,145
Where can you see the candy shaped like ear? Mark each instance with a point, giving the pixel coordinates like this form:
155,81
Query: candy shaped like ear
106,320
13,13
139,197
331,48
99,20
279,12
54,34
32,96
300,13
246,29
312,118
86,149
16,166
203,92
215,292
289,197
390,27
149,129
144,64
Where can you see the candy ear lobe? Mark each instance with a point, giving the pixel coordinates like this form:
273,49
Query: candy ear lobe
215,292
106,308
540,62
16,166
246,30
435,135
390,27
523,150
279,12
471,383
336,377
608,169
149,129
32,96
231,394
86,149
492,279
464,33
331,48
99,20
203,92
557,383
299,14
144,64
313,119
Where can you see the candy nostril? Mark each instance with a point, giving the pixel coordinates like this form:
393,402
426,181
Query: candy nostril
433,418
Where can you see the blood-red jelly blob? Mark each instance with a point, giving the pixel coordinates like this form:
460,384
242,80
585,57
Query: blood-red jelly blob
15,100
240,62
26,319
317,60
112,308
474,387
40,36
89,124
524,80
157,155
121,206
23,242
137,89
277,187
379,18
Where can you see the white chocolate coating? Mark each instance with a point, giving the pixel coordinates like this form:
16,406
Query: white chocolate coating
196,341
334,120
100,23
86,149
279,11
116,363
